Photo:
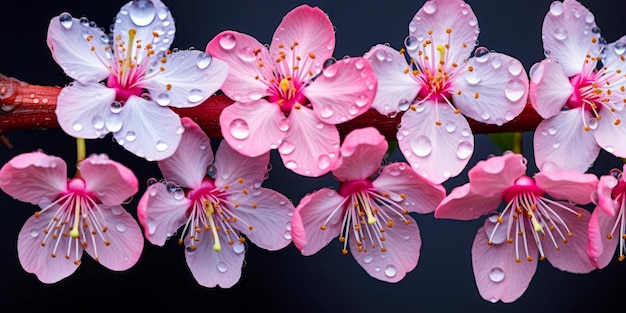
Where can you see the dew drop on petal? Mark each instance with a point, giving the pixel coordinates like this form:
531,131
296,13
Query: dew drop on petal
204,60
66,20
287,235
609,149
286,148
163,99
142,12
589,18
560,33
556,8
450,127
130,136
120,228
326,111
161,146
291,165
390,271
592,123
151,226
255,95
496,275
619,48
195,95
472,77
113,123
329,70
228,41
552,131
430,7
421,146
515,68
77,126
116,107
464,150
34,233
514,90
411,43
239,129
323,162
368,259
221,266
481,54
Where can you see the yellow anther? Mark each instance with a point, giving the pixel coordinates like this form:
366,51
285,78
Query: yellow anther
284,85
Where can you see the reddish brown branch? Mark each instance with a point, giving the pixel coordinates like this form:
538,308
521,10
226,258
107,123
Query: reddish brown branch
25,106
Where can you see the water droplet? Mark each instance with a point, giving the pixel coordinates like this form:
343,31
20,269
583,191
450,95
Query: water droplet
589,18
34,233
619,48
496,63
556,145
556,8
120,228
412,26
609,149
430,7
151,181
411,43
238,247
239,129
113,123
77,126
195,95
287,235
390,271
421,146
328,69
368,259
481,54
204,60
493,300
221,266
486,115
66,20
163,99
116,107
161,146
381,55
255,95
592,123
560,33
179,194
473,22
514,90
552,131
464,150
286,148
515,67
228,41
496,275
595,30
361,100
283,125
142,12
130,136
291,165
326,112
323,162
472,77
450,127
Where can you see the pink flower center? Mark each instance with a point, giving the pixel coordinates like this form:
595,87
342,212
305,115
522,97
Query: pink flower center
523,184
122,92
354,186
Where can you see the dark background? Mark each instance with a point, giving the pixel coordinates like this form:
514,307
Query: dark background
284,280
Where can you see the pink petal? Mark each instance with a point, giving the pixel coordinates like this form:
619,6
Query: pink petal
498,277
313,32
269,213
561,142
395,88
244,54
188,78
611,137
492,94
491,177
613,55
572,186
438,16
361,153
73,53
344,91
402,244
600,248
34,177
464,204
84,110
188,165
37,259
572,256
161,213
211,268
112,182
322,207
147,129
606,203
253,128
420,195
311,147
234,167
436,152
567,33
549,88
124,235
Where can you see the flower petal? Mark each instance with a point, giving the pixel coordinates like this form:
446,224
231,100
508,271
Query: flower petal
497,275
211,268
111,181
436,152
420,194
161,213
311,147
247,60
36,258
234,167
611,133
253,128
549,88
494,175
148,130
396,86
124,236
84,110
572,186
561,142
606,203
402,251
600,248
34,177
361,153
187,79
67,40
492,94
567,33
188,165
313,32
464,204
432,22
571,256
322,207
615,51
344,91
269,213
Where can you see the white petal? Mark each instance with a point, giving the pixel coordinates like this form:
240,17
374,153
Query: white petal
82,109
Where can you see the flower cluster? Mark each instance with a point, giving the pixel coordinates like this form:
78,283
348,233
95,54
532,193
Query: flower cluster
290,96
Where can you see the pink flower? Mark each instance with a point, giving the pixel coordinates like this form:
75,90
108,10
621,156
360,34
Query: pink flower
607,226
583,107
291,96
133,60
506,248
217,202
439,82
82,214
370,214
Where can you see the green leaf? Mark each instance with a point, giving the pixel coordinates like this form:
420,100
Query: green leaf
504,141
